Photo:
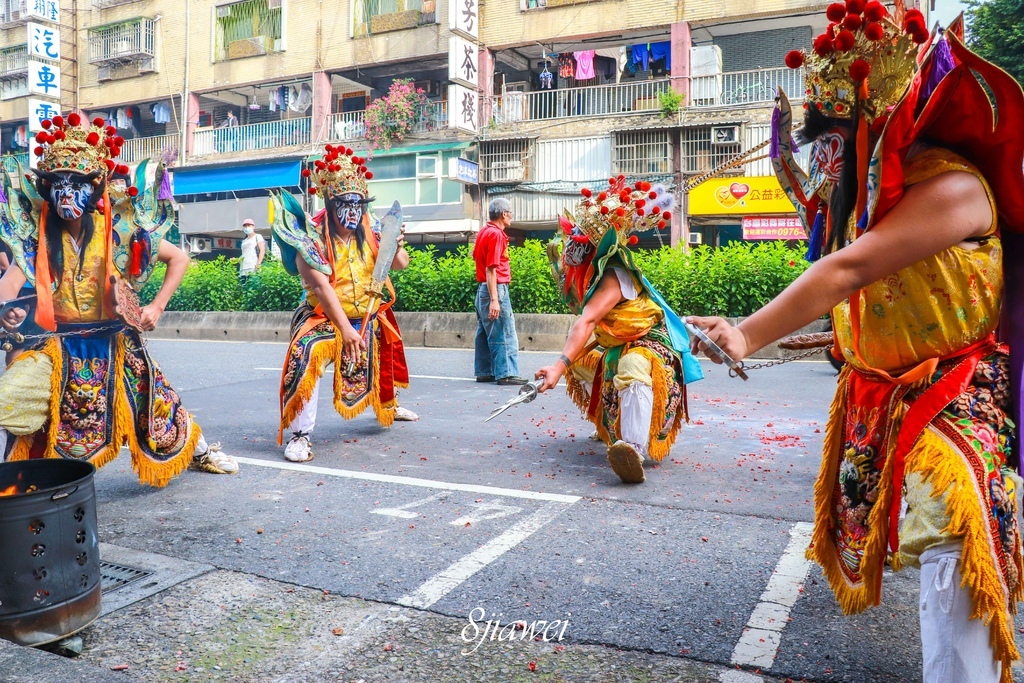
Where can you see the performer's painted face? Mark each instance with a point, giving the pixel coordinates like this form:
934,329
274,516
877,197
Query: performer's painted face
578,249
70,194
827,159
348,210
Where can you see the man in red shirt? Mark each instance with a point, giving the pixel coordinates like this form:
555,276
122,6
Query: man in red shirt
497,346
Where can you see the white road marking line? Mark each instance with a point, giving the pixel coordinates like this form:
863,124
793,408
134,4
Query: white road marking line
735,676
759,643
403,512
447,580
485,511
410,481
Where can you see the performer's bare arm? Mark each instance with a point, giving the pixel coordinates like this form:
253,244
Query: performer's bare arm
401,259
10,285
177,264
933,215
606,297
320,285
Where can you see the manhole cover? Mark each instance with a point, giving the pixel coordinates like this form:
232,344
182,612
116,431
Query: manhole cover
114,576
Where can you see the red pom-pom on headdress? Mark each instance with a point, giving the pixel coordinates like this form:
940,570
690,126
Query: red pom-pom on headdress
74,119
58,121
855,6
305,173
874,31
852,22
93,138
46,123
794,60
844,41
874,11
368,175
98,122
133,191
836,11
823,46
859,70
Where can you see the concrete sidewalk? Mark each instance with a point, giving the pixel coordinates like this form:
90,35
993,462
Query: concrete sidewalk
428,330
231,626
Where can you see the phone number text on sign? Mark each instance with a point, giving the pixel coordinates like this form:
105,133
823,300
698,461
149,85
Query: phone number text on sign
785,228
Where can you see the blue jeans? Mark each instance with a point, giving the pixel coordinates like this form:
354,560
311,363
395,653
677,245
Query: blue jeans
497,346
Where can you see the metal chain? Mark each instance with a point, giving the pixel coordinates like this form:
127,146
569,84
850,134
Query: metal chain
19,338
780,361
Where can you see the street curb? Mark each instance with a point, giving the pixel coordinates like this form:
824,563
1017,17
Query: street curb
537,332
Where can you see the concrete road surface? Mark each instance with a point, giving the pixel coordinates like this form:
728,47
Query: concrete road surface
410,540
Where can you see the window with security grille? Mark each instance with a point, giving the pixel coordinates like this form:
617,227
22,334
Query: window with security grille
637,153
700,152
248,28
505,160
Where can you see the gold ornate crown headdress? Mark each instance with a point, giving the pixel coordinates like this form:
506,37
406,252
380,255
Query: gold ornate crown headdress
65,145
862,44
623,208
339,172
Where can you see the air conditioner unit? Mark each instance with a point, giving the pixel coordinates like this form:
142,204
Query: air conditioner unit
504,171
147,65
201,245
103,73
725,135
694,238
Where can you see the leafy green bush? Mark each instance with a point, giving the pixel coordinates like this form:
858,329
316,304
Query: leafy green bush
734,280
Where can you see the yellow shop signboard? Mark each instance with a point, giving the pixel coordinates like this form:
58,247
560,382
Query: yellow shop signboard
739,196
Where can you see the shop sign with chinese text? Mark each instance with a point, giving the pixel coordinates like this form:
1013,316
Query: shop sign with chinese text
739,196
772,228
464,17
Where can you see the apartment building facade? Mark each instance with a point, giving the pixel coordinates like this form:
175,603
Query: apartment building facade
527,99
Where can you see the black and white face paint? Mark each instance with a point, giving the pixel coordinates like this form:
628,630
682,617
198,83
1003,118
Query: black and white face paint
70,194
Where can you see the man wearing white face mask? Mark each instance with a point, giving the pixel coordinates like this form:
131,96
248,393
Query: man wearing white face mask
254,248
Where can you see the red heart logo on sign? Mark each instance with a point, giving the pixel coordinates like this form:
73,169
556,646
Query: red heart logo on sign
739,190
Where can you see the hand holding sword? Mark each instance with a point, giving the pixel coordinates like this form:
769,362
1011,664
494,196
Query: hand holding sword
391,240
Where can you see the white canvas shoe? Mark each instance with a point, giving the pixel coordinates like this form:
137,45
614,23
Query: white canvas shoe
298,448
405,415
214,461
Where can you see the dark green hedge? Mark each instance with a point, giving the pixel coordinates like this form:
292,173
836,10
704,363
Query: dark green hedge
734,280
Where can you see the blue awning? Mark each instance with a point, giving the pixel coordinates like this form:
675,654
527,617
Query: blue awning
236,178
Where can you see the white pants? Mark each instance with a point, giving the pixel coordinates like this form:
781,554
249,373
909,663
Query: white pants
636,407
956,648
306,419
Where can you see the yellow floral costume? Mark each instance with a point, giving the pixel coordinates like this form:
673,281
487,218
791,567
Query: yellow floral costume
921,415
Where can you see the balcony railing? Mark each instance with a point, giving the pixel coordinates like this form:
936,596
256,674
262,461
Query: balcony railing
434,117
11,161
735,88
253,136
137,149
745,87
346,126
352,125
14,61
131,40
598,100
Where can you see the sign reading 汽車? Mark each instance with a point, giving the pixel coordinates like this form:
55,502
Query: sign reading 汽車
772,228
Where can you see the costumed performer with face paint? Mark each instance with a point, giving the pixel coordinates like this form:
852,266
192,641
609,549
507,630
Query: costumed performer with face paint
336,259
627,358
87,386
918,193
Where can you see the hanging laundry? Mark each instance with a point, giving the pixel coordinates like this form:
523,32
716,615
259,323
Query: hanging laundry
547,79
640,56
584,65
662,51
605,67
566,65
